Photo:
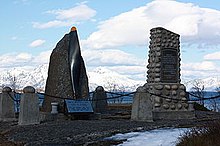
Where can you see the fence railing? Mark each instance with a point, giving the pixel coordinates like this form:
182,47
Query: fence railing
112,97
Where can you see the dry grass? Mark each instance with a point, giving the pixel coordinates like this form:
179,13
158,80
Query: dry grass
207,135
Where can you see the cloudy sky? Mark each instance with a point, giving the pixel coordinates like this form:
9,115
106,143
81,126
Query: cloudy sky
113,34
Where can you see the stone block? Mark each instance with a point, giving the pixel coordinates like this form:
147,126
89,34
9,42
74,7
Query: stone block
141,106
7,109
29,107
99,102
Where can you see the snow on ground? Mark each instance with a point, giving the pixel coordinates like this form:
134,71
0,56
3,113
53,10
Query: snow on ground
158,137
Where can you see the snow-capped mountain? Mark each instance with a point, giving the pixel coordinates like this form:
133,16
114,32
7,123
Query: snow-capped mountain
210,83
20,77
111,80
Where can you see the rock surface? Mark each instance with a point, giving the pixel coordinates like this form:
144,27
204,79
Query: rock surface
59,81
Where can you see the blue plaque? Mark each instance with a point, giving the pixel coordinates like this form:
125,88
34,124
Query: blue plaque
78,106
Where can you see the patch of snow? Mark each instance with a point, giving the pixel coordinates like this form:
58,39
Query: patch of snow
158,137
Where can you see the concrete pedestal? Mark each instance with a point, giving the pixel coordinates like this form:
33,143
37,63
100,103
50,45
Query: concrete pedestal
7,110
99,102
142,106
29,107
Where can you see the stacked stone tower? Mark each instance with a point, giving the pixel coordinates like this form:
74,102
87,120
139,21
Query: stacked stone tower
167,95
164,71
164,57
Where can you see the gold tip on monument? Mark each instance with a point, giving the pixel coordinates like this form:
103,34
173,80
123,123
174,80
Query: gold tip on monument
73,28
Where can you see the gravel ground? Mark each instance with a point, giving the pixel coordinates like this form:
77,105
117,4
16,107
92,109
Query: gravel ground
86,132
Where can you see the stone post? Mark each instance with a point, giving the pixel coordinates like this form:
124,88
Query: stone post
29,107
7,110
142,106
99,102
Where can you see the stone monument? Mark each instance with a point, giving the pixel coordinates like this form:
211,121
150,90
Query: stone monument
29,107
67,76
142,106
99,102
167,95
7,109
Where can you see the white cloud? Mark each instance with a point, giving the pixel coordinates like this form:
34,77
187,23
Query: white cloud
199,70
212,56
110,58
117,61
42,58
24,59
68,17
196,25
37,43
78,13
131,70
13,60
200,66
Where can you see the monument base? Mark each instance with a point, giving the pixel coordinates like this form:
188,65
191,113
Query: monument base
173,115
142,106
148,106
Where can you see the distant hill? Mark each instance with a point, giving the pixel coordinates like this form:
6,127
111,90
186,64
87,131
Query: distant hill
20,77
25,76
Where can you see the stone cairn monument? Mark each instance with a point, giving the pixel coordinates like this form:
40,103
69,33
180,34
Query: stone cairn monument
67,76
163,92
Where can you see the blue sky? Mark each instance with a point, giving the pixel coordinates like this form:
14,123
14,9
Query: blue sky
113,34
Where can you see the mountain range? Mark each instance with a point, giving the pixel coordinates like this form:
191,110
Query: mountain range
20,77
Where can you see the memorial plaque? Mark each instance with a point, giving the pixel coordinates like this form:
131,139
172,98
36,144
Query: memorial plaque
78,106
169,66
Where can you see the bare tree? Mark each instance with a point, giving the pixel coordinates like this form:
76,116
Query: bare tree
198,90
115,88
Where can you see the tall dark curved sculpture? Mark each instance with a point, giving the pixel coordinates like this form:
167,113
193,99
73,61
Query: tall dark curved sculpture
67,76
75,60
